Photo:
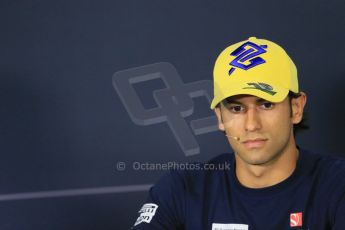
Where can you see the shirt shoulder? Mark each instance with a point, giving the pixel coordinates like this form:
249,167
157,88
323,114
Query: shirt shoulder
206,176
327,174
194,176
327,167
165,207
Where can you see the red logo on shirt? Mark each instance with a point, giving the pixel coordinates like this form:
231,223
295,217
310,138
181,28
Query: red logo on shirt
296,219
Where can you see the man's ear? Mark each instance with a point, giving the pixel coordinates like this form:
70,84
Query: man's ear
218,112
297,105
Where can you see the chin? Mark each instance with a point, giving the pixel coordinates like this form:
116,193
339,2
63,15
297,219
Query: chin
256,157
258,162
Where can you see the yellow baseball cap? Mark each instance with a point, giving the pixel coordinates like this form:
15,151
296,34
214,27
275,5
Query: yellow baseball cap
256,67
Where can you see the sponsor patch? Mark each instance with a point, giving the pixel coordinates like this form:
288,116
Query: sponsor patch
247,56
146,212
261,86
296,219
217,226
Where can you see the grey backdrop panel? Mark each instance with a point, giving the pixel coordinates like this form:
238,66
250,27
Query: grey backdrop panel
67,123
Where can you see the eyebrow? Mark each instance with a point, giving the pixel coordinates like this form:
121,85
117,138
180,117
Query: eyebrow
234,101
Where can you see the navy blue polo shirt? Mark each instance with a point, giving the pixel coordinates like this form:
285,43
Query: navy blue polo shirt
312,198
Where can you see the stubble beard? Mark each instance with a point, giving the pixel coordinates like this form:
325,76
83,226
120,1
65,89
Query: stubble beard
266,158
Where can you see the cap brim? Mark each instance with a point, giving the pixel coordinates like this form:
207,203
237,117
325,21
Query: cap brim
274,94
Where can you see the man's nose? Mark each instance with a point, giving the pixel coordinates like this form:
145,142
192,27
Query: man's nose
252,122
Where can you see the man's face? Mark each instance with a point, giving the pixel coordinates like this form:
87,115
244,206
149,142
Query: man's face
265,129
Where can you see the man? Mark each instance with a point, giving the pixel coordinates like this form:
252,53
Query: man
272,183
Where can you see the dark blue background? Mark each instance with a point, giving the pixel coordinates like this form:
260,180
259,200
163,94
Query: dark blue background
64,127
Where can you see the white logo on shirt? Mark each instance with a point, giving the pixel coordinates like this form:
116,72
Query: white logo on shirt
146,213
216,226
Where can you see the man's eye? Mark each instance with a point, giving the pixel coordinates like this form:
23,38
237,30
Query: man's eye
268,105
236,108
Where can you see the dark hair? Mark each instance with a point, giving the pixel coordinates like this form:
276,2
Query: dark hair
297,128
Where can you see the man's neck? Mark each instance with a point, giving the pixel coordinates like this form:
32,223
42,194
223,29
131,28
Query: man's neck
260,176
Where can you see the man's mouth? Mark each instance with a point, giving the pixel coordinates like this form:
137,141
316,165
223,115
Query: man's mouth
254,143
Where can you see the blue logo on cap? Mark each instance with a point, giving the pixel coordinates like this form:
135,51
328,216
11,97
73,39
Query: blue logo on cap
248,51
